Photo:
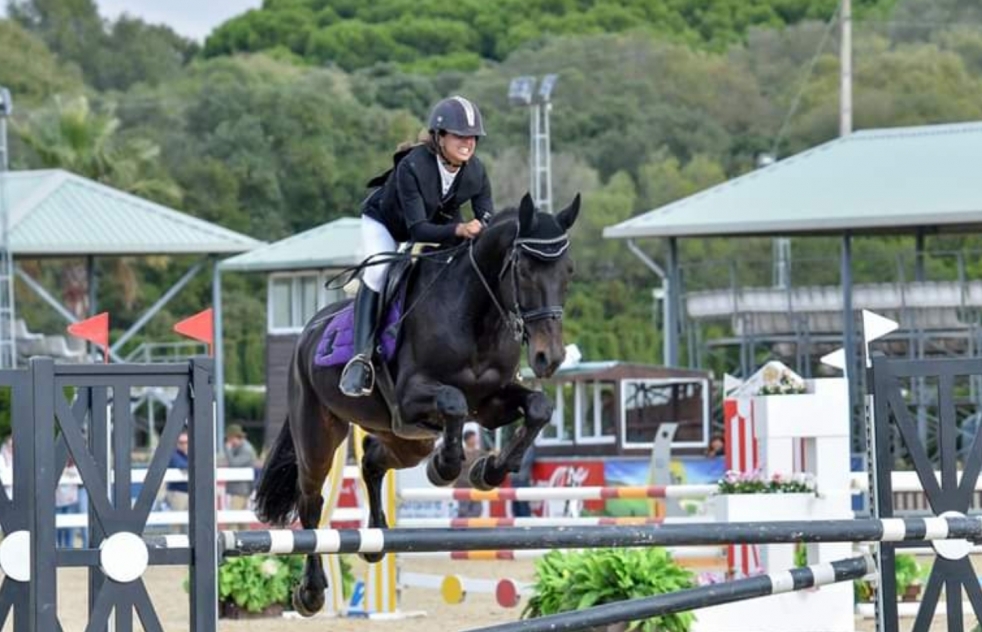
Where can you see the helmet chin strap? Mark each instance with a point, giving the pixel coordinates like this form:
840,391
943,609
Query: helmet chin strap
442,154
450,163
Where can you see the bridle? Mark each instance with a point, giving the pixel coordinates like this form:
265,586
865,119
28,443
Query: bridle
518,317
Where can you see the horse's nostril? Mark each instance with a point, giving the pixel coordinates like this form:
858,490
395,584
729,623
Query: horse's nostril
541,362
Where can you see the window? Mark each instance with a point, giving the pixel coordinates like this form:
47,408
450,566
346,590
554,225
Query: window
559,430
645,404
280,303
293,300
596,412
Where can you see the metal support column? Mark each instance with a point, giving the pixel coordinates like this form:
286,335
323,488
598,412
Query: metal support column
674,303
8,339
202,525
849,336
665,294
218,348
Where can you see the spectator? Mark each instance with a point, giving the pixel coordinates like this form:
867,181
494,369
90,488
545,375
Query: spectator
608,414
7,466
472,450
717,446
238,453
67,502
177,492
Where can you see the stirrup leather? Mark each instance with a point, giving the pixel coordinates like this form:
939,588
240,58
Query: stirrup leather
369,369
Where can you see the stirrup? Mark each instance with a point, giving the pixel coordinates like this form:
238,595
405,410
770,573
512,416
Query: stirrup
369,371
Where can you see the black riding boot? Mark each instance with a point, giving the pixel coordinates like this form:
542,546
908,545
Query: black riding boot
358,376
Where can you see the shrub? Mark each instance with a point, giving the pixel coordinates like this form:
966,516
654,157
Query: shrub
256,582
575,580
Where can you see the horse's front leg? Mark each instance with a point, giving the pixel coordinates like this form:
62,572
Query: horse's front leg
503,408
425,399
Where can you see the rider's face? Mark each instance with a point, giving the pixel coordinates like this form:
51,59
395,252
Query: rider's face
458,149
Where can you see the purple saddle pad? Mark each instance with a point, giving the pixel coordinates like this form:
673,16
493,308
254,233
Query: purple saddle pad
337,342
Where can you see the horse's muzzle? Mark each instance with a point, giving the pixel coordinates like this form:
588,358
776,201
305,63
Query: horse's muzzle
545,347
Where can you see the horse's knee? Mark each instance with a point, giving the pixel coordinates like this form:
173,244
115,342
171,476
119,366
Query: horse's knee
538,410
451,402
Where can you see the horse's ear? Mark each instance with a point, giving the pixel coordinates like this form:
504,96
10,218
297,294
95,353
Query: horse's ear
526,215
567,217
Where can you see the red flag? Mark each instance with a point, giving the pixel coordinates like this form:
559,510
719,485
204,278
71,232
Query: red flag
95,330
201,327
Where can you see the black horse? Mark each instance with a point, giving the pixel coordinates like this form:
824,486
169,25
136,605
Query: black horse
458,359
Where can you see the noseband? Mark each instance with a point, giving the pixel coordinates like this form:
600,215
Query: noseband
517,317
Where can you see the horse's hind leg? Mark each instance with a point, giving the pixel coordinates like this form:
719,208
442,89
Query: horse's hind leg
317,437
384,452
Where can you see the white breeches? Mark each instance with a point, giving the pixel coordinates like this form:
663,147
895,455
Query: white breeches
375,238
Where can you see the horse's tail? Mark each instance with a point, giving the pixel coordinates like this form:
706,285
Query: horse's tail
277,493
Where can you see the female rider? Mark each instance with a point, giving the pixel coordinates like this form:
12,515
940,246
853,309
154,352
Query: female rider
418,200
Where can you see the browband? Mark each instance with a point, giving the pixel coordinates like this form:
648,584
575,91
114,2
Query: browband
546,249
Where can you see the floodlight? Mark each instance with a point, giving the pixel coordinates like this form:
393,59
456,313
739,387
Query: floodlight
547,85
6,103
520,90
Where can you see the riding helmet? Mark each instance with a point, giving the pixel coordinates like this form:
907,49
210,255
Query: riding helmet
456,115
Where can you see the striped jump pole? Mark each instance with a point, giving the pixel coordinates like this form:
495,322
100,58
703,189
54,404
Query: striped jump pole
425,494
286,542
557,521
692,599
677,553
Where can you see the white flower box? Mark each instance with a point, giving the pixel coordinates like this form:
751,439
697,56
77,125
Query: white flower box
827,609
817,413
767,507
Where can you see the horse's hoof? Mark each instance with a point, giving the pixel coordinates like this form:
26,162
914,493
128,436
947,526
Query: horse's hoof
434,476
371,558
478,474
304,607
375,558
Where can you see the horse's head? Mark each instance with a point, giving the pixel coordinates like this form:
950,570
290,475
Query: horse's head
535,279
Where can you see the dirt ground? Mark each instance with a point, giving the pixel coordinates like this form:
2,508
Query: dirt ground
170,601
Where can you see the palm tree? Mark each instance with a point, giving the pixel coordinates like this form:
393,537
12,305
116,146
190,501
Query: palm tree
69,135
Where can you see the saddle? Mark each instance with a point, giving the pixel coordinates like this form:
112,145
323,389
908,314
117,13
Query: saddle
336,345
398,280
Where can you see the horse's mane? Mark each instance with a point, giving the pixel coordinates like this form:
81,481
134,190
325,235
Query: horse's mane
506,215
544,225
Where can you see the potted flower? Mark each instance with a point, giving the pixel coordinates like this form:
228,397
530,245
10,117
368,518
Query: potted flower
757,482
568,581
863,590
908,574
909,577
779,380
261,585
755,496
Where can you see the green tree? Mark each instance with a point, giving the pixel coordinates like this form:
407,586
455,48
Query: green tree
30,71
353,44
112,56
433,36
137,52
69,135
72,29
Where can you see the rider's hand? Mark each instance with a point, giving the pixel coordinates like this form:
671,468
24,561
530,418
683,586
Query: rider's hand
469,230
